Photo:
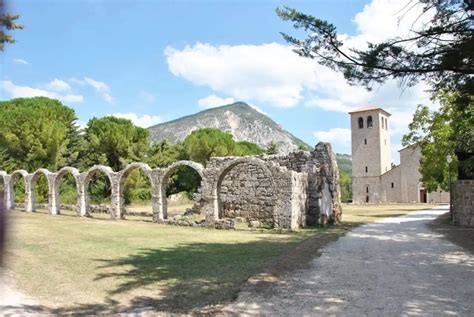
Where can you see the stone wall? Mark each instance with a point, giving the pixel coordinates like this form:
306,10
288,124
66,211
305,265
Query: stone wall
463,202
290,191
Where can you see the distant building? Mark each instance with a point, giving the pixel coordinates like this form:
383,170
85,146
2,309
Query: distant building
374,178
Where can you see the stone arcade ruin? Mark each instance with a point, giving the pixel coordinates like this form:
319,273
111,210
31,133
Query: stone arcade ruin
291,191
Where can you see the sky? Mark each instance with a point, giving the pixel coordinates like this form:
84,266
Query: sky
155,61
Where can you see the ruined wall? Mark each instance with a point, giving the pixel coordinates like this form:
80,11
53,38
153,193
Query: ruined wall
463,202
290,191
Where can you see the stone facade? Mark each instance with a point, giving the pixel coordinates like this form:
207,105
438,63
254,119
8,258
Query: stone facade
374,178
463,202
290,191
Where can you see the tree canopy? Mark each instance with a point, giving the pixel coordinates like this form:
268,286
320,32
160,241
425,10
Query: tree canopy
114,142
35,132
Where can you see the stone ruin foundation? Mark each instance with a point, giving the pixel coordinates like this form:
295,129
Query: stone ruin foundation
276,191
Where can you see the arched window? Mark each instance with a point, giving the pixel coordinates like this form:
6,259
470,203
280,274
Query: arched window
382,123
367,189
365,141
392,184
386,124
366,169
361,123
369,122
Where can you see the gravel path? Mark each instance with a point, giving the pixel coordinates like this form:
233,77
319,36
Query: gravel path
394,267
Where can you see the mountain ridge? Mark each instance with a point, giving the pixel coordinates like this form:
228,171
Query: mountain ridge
242,121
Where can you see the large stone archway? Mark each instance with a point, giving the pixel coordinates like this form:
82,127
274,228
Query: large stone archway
13,178
114,199
164,179
55,206
122,179
32,180
255,199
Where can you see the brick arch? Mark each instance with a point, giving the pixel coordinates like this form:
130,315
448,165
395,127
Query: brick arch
123,175
14,176
36,175
56,182
95,170
33,179
227,167
199,168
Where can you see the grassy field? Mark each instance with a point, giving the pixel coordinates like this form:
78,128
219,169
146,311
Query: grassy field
96,265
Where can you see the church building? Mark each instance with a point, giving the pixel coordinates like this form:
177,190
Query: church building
375,178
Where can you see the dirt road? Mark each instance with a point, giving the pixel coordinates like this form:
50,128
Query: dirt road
393,267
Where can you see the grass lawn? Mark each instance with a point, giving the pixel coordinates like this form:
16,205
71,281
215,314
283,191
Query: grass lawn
85,265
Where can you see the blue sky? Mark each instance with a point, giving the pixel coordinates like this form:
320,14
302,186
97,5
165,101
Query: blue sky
154,61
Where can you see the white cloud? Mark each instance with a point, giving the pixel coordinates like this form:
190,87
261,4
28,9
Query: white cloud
20,61
58,85
338,137
143,121
74,80
266,73
16,91
213,101
101,88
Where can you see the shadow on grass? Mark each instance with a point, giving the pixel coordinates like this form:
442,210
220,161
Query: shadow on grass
180,279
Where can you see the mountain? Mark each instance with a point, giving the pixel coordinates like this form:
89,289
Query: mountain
242,121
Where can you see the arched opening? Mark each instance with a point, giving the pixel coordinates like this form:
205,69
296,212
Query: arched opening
361,122
369,122
386,124
381,119
246,192
40,190
18,190
2,189
98,191
181,189
66,189
136,191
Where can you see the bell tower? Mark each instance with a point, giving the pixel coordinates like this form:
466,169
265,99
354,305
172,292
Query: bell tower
371,154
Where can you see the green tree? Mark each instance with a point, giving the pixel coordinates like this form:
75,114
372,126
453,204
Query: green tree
272,148
434,133
114,142
442,54
163,153
345,181
7,22
202,144
35,132
243,148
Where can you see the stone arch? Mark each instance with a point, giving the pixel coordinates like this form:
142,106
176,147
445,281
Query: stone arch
13,178
56,182
33,179
145,168
165,178
96,169
5,190
227,167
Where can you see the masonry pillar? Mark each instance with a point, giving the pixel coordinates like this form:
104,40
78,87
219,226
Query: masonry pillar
53,195
82,201
30,204
116,202
9,193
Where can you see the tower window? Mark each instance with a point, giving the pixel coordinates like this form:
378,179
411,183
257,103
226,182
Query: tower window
369,122
385,141
367,189
392,184
361,123
386,124
365,141
382,123
366,169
